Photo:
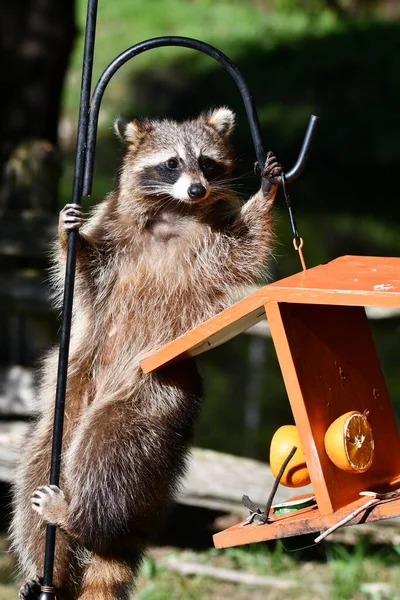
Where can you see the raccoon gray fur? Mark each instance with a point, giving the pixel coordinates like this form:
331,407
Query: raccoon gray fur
162,253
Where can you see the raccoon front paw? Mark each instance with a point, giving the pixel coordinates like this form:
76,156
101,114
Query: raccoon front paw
272,167
30,590
50,503
71,217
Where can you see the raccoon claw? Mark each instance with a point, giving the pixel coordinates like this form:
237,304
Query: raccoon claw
71,217
30,590
256,168
50,503
272,167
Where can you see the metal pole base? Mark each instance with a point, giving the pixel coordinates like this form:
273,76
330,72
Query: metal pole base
47,596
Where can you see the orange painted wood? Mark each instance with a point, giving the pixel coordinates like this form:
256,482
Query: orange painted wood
306,520
349,280
214,332
330,366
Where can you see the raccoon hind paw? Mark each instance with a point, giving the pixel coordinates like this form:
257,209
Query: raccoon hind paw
30,590
50,503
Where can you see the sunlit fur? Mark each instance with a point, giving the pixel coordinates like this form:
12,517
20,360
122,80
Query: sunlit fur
150,267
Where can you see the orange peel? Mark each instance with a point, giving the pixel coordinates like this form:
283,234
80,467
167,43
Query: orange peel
296,473
349,442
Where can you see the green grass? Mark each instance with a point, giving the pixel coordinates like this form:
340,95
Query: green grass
359,572
352,570
8,587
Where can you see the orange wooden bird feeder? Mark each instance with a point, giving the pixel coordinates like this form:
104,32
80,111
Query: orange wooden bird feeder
330,366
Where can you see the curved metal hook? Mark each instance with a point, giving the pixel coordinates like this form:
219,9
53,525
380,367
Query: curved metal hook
220,57
304,154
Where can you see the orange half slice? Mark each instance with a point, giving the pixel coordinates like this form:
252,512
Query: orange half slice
349,442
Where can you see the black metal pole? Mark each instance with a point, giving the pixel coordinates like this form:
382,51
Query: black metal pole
48,592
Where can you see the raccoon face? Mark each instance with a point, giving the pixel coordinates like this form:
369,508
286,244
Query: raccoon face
187,162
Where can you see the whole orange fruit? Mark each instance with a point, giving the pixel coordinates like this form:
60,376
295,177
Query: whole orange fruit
349,442
296,473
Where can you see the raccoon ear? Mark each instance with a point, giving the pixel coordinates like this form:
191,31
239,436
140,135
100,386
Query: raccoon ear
129,132
120,126
221,119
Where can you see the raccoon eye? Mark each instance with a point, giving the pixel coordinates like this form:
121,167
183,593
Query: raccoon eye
207,163
172,163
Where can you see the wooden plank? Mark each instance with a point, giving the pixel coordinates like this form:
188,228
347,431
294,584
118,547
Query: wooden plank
330,366
216,480
349,281
210,334
293,388
307,520
12,435
17,391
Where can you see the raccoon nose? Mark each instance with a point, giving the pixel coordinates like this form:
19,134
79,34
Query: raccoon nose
197,190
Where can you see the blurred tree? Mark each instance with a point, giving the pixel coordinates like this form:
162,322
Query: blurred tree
343,8
36,38
350,8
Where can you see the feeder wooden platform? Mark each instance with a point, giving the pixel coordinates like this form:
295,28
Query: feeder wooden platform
330,366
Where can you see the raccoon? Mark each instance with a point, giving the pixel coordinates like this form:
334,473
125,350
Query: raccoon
163,252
